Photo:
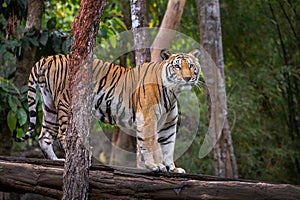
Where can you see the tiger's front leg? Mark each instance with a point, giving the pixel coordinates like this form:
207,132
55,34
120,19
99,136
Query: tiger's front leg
166,140
147,143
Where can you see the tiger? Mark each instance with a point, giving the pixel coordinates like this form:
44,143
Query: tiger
142,101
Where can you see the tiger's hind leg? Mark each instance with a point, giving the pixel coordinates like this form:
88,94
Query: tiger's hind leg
49,131
46,144
63,109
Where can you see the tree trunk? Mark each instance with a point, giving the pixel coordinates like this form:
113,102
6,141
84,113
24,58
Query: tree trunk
84,29
45,177
27,58
141,45
140,33
142,54
211,40
170,22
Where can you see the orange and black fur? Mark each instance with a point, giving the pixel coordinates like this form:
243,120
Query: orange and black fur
141,101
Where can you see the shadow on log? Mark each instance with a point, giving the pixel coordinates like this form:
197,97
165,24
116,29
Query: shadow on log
45,177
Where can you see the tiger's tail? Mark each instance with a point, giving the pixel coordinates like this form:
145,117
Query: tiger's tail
32,105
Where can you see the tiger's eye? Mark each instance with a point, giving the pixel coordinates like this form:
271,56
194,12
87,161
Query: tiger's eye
177,67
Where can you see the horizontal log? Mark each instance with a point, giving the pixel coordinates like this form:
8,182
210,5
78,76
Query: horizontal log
45,177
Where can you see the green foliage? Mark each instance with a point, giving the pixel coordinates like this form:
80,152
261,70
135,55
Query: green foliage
14,98
262,64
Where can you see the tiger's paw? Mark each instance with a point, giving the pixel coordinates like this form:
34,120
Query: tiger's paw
171,168
178,170
156,167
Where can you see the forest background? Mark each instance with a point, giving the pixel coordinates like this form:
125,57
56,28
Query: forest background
261,43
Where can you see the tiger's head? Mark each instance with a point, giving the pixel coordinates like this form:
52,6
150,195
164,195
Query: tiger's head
181,70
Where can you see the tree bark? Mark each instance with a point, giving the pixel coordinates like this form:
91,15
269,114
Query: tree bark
211,41
141,44
45,177
27,58
170,22
140,34
84,30
139,23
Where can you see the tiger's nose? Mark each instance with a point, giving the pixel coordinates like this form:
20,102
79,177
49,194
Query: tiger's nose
187,78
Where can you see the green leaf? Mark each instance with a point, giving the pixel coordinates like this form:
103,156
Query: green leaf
25,44
31,33
12,103
51,24
120,22
66,46
113,41
8,86
44,38
11,120
1,168
22,116
20,132
102,32
56,41
24,89
33,41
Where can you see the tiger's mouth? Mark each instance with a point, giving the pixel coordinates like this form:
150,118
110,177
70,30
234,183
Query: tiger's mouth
187,83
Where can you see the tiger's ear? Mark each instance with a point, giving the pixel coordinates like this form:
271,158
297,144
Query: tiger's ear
196,53
165,54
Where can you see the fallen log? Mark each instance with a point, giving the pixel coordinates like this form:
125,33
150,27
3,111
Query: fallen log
45,177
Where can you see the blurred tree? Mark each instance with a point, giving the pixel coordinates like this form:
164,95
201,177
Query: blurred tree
26,58
211,40
139,21
170,22
262,57
142,54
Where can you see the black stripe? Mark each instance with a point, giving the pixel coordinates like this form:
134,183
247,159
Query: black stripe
31,126
32,113
163,139
144,77
108,111
31,82
102,82
99,101
112,88
165,99
47,109
25,137
173,120
166,128
165,143
32,89
51,123
121,116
